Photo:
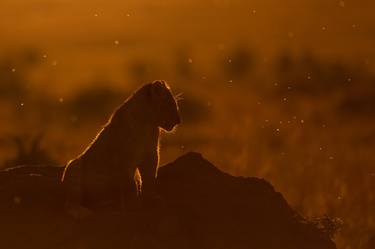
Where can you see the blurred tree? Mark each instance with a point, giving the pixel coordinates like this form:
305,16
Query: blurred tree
139,71
239,63
14,73
32,154
95,103
11,81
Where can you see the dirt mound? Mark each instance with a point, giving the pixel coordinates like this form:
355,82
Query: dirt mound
198,206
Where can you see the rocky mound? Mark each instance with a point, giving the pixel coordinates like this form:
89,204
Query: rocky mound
198,207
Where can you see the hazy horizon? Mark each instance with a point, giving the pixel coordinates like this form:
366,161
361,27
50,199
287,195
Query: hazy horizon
86,39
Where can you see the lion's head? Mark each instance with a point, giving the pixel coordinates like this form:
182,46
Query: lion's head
164,105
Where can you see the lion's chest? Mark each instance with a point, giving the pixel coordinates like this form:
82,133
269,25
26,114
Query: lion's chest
138,146
126,151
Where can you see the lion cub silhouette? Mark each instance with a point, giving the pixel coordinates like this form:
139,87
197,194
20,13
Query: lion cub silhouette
105,171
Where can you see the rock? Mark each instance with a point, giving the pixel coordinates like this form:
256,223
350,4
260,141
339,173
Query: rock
198,206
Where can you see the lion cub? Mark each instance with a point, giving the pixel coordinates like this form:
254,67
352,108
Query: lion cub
105,171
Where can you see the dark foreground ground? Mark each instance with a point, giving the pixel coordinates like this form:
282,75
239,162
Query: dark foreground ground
199,207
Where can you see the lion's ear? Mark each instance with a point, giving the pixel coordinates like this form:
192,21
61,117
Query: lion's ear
159,83
156,90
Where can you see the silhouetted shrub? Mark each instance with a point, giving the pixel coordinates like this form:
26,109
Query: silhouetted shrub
328,225
31,154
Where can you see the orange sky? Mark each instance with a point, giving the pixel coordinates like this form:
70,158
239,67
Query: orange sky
81,36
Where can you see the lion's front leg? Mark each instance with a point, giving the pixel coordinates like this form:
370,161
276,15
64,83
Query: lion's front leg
128,189
72,185
148,170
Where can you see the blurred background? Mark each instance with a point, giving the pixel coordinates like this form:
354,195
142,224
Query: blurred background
279,90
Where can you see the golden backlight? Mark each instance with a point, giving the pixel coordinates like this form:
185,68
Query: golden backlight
283,90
